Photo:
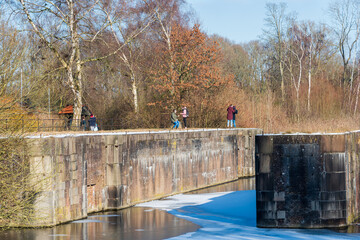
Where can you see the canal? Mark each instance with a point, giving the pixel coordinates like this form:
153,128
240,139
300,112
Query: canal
132,223
225,211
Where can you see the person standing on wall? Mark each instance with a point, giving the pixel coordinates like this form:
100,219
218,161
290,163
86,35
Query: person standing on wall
230,115
185,114
174,119
83,123
235,112
92,122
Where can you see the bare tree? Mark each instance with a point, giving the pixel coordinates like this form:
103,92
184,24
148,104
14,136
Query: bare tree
346,20
276,19
167,14
64,26
13,53
297,48
130,49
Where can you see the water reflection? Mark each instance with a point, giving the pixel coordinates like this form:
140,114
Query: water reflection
238,185
354,228
131,223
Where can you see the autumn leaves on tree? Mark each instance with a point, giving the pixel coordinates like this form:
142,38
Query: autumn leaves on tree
188,68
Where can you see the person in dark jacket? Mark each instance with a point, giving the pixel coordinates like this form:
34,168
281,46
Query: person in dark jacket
174,119
92,122
234,113
230,115
83,123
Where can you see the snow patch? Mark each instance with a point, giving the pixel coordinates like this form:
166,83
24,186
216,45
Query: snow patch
231,215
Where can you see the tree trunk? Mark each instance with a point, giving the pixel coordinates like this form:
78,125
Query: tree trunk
352,79
309,81
297,105
134,92
76,88
357,94
282,79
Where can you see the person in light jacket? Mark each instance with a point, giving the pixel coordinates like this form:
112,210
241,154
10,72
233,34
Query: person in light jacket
185,114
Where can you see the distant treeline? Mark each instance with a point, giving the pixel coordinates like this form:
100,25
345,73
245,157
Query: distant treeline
137,60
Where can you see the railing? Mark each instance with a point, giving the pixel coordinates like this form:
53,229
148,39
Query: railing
47,125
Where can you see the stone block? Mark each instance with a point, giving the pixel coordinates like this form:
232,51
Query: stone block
290,150
334,162
265,181
112,192
279,196
264,163
61,202
329,206
315,206
333,196
61,185
312,149
332,182
280,215
264,144
268,214
74,166
333,143
266,206
61,194
74,191
336,214
74,199
281,206
113,174
74,175
264,196
72,146
334,223
47,164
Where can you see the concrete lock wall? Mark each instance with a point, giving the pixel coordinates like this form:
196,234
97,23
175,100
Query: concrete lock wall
307,181
95,172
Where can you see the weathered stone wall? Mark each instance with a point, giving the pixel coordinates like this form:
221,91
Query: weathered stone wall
353,176
102,171
302,181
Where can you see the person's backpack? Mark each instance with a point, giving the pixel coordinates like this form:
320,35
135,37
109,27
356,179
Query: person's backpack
236,111
187,112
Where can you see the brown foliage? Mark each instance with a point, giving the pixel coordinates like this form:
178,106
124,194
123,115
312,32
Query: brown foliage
187,68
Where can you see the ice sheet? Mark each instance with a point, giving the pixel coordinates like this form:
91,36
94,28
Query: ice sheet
231,215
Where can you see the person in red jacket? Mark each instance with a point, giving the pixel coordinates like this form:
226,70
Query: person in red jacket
230,112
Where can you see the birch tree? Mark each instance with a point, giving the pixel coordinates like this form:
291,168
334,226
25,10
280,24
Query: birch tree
130,50
167,14
65,26
345,25
296,47
275,20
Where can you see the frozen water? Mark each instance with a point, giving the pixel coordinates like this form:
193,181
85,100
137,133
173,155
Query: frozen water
231,215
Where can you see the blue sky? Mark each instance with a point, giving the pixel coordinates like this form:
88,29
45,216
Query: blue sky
243,20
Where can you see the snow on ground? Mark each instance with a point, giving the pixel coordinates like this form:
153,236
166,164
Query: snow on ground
231,215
